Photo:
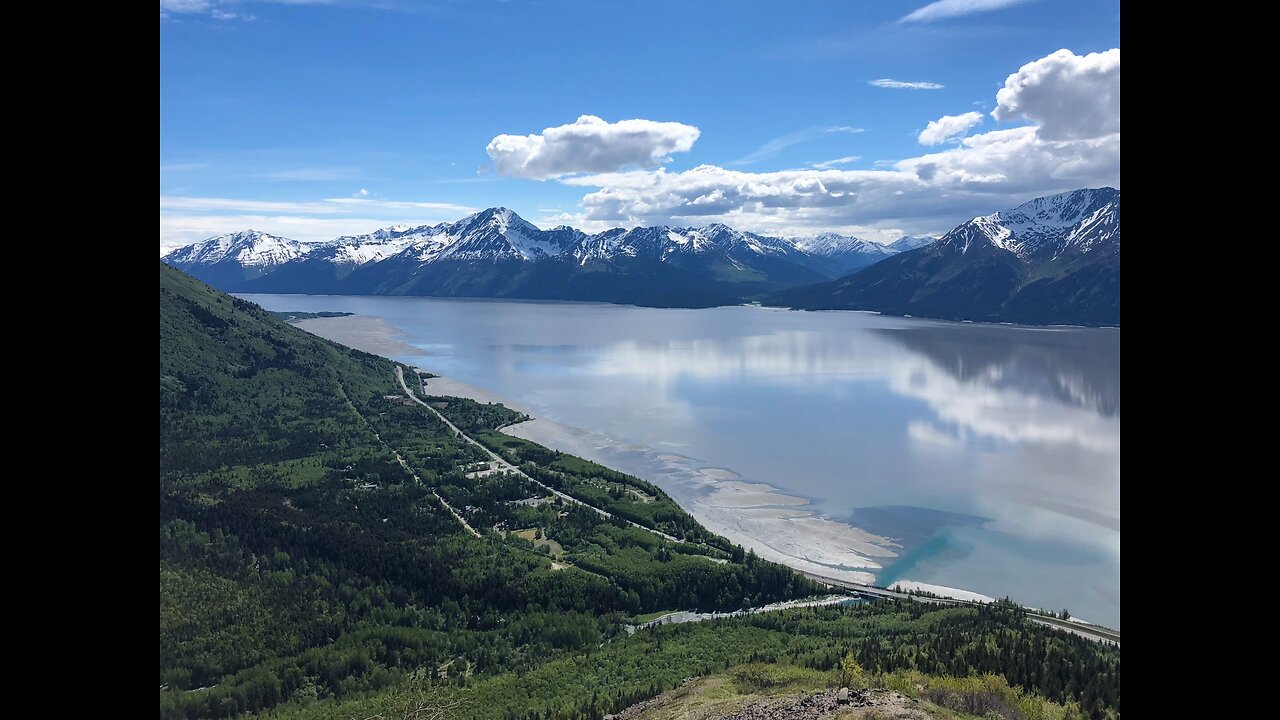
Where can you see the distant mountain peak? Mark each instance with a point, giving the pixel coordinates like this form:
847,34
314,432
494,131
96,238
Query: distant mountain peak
912,242
1054,259
1075,221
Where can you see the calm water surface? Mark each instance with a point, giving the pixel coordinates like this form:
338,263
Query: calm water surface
989,454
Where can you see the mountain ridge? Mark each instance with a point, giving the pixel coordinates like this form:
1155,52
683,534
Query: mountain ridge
1051,260
496,253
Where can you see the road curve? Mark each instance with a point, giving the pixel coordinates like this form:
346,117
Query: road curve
508,467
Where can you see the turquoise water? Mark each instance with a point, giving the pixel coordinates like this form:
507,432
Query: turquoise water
990,454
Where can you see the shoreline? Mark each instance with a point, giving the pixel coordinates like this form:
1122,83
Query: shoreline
777,526
362,332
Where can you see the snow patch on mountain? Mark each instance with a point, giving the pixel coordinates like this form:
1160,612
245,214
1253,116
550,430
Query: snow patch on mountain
248,248
835,244
1076,221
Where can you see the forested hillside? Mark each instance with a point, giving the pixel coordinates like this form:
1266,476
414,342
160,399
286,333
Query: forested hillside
309,566
300,559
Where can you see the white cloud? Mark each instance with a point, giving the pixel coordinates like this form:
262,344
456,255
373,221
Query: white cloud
845,129
943,9
360,193
982,173
1071,97
216,9
905,85
846,160
590,145
185,6
227,9
948,127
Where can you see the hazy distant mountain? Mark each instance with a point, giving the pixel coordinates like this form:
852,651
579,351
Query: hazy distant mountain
495,253
1054,259
844,254
911,242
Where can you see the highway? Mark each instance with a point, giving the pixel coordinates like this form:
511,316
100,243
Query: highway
1083,629
508,467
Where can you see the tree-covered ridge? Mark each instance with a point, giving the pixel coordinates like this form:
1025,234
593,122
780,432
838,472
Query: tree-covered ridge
300,559
304,572
884,637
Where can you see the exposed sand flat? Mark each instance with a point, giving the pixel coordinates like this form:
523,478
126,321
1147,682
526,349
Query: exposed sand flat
362,332
457,388
746,495
775,525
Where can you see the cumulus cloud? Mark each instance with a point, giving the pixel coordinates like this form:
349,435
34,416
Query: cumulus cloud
905,84
947,127
1070,97
590,145
943,9
929,193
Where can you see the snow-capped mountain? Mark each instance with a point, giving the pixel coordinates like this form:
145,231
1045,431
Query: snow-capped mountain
1054,259
911,242
496,253
237,257
844,253
249,248
1074,222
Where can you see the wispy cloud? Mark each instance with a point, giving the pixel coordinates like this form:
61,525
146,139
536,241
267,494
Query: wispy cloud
905,84
227,10
826,164
312,174
943,9
327,206
782,142
187,219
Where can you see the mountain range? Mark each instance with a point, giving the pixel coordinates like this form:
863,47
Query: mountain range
1053,260
496,253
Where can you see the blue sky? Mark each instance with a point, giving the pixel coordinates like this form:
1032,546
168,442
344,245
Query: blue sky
313,119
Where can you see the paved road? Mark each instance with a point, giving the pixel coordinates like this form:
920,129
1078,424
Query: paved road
1083,629
456,515
508,467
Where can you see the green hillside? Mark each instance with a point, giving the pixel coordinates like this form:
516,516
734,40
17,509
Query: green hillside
310,568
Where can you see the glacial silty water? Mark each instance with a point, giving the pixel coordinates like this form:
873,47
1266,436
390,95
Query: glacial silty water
960,455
